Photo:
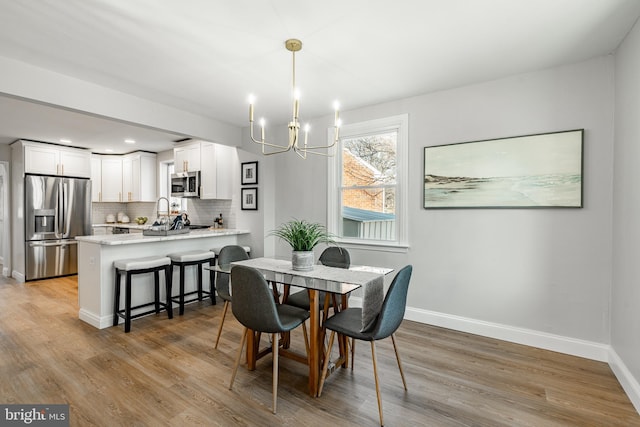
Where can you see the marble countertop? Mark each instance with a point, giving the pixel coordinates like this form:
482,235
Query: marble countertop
132,225
130,239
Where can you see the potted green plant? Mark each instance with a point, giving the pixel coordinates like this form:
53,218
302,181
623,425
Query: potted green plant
303,236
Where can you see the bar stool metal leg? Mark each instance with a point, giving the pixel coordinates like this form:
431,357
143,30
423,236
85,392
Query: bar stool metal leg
127,302
168,282
116,297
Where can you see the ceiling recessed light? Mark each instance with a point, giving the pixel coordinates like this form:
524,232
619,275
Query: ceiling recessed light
108,150
130,141
65,141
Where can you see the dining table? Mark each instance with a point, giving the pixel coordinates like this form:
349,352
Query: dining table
331,280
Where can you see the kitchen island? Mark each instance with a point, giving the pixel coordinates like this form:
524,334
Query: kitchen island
96,275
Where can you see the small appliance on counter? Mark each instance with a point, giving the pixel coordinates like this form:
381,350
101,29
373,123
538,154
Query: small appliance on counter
110,219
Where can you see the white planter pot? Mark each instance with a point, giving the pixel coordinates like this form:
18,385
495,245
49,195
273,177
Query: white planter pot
302,260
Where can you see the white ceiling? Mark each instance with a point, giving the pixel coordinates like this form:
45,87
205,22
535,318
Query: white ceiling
206,56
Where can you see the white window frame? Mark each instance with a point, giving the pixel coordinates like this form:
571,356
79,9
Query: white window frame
399,123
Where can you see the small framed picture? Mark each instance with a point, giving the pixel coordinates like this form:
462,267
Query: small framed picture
249,173
249,199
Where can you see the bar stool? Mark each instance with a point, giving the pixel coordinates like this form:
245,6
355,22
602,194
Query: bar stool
152,264
192,258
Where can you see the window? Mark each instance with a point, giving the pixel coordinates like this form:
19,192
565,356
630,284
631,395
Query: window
368,183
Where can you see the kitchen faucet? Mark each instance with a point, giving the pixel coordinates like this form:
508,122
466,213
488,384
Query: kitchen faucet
160,218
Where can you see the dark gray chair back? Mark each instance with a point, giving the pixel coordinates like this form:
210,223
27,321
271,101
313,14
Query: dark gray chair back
253,303
335,256
394,305
227,255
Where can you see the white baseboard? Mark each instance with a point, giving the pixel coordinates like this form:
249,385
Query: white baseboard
547,341
95,320
567,345
562,344
18,276
626,379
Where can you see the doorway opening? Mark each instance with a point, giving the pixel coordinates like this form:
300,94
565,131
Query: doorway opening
5,220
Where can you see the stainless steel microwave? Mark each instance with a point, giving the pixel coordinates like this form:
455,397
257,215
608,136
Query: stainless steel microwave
185,184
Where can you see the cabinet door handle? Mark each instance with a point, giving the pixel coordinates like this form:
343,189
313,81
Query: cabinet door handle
100,196
63,169
119,196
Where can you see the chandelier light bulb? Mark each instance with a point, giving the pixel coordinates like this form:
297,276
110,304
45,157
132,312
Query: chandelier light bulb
251,101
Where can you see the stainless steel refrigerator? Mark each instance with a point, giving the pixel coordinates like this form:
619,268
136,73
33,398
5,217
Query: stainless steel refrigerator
56,211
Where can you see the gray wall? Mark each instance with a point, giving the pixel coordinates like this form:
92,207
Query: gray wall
561,279
543,270
625,297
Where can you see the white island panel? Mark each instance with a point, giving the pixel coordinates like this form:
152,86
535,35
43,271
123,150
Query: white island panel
96,275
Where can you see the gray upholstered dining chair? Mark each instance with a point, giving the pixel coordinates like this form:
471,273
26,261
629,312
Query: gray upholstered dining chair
254,307
227,255
333,256
349,322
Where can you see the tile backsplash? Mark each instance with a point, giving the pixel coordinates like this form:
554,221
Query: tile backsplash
199,211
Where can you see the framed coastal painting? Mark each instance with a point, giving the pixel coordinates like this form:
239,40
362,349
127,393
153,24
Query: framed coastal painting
532,171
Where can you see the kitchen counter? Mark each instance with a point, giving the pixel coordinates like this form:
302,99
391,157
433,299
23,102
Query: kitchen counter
96,275
131,225
131,239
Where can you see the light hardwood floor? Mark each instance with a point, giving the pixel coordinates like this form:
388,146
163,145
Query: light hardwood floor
166,372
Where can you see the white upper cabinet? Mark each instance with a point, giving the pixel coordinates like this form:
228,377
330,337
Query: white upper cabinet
187,158
139,177
128,178
56,160
96,177
215,176
215,163
111,179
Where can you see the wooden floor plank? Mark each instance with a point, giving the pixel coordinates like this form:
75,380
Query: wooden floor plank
166,372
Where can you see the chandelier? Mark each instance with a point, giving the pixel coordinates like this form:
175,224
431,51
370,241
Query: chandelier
299,147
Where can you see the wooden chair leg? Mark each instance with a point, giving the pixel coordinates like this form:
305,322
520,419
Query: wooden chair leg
375,375
224,313
275,346
306,340
353,352
325,365
395,348
239,355
325,308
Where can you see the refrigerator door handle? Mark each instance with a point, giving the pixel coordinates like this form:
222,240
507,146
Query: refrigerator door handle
59,213
65,208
